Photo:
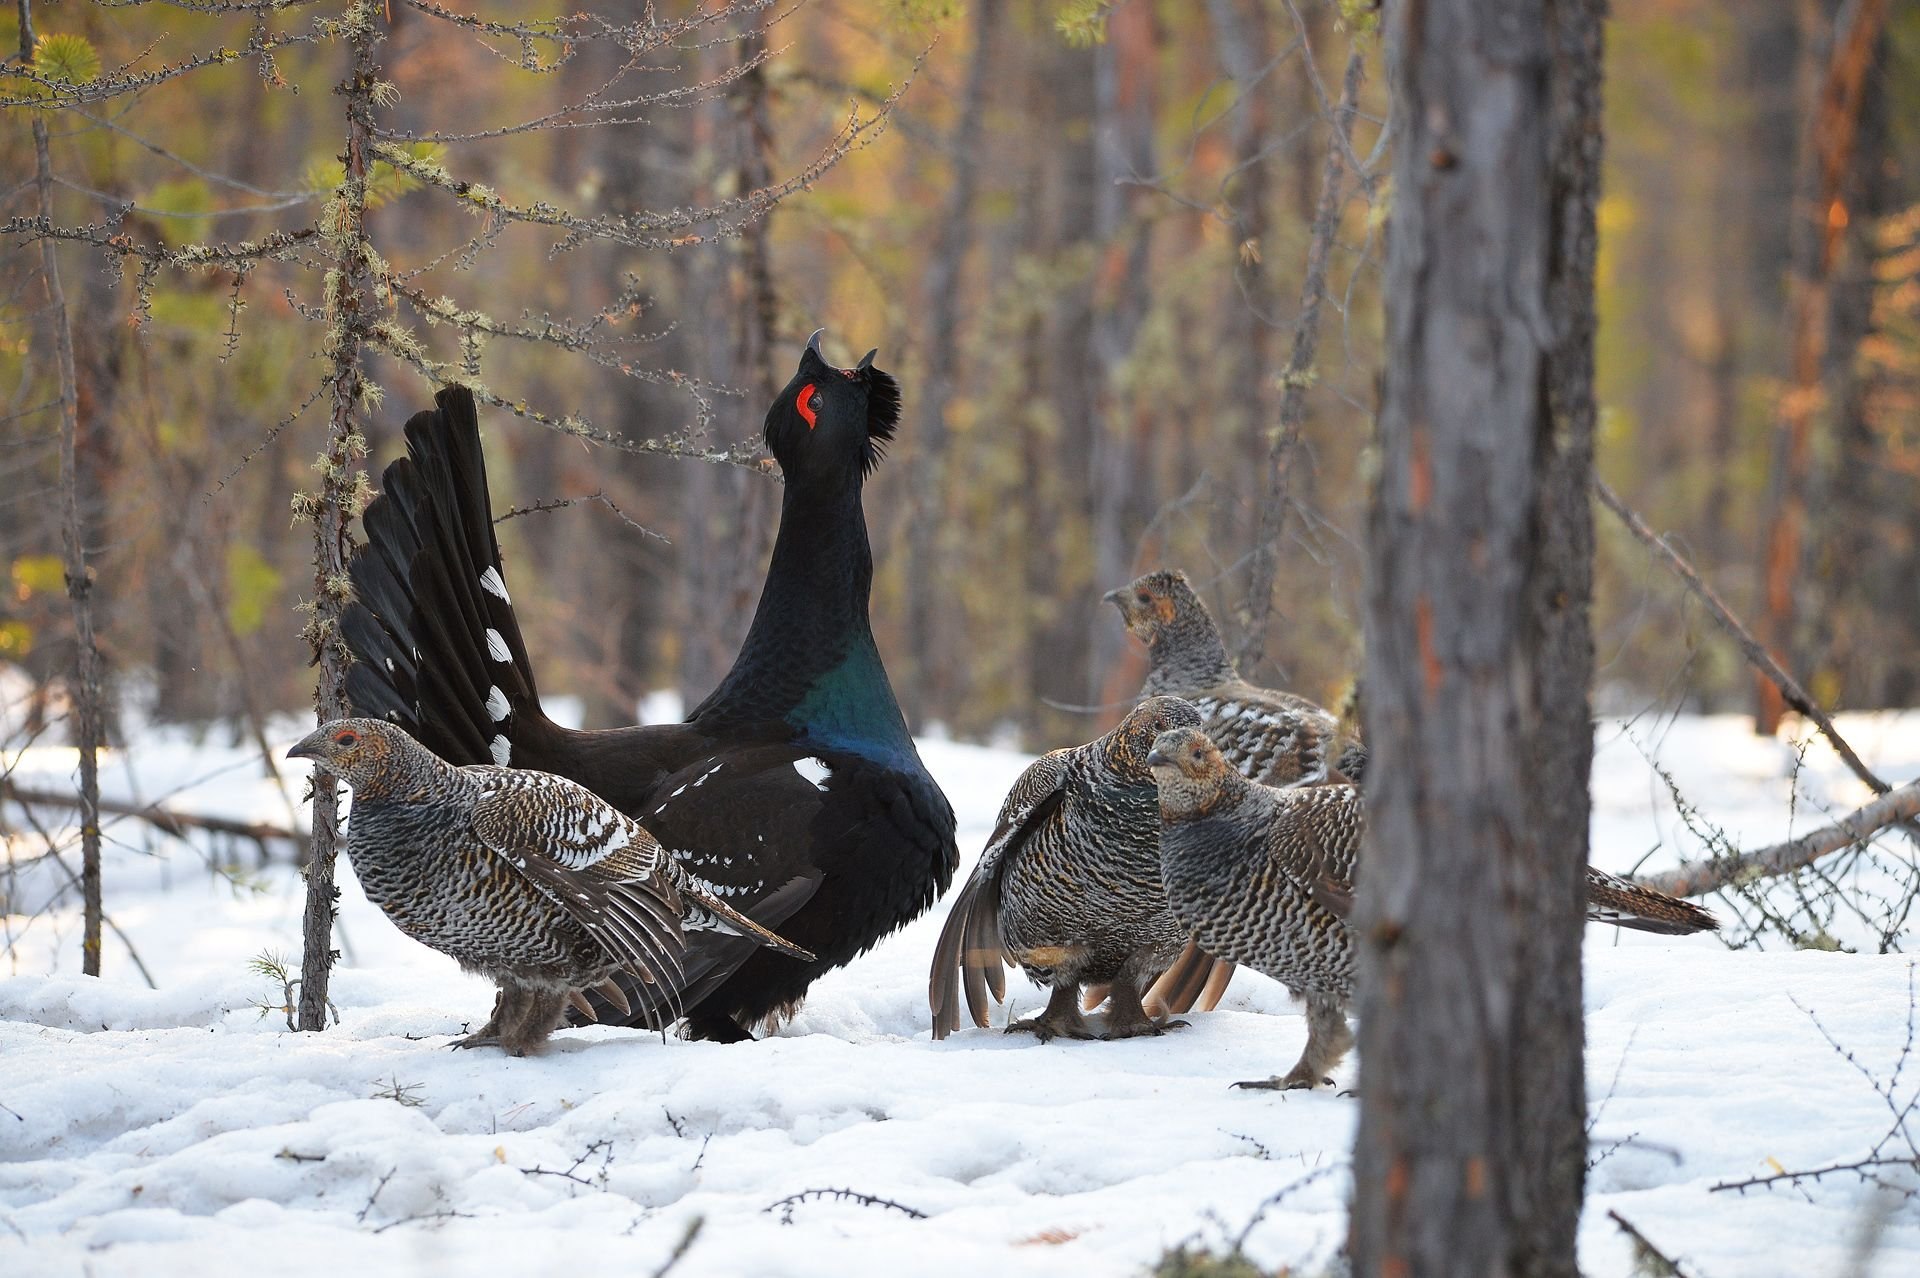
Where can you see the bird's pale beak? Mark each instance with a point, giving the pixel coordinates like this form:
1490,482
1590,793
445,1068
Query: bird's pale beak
1156,759
1112,597
311,746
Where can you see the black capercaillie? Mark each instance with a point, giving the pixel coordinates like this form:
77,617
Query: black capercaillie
523,877
1068,888
794,786
1273,737
1264,876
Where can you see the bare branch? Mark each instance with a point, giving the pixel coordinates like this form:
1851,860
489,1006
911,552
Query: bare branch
1756,655
1297,377
1699,877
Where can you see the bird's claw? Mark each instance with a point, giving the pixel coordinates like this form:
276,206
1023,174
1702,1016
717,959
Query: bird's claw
1046,1029
1143,1029
1291,1083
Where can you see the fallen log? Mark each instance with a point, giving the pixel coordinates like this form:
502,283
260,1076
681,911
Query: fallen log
1697,878
167,820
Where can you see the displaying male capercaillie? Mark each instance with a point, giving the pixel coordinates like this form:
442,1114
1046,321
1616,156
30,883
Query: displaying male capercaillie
1069,888
1273,737
1265,877
793,790
522,877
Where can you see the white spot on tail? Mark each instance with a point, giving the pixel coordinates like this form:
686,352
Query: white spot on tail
491,583
814,770
501,749
497,706
496,646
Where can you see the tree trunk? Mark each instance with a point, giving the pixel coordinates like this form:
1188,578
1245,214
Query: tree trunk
350,306
88,714
931,692
1298,373
1836,67
1470,1154
729,513
1123,149
1242,43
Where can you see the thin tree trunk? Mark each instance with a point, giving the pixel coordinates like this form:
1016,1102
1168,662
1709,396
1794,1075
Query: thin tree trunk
1820,221
1470,1155
931,693
729,513
349,308
1240,40
89,719
1297,376
1123,149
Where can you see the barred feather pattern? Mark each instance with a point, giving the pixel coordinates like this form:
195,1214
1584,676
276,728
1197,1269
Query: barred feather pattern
1241,873
1612,899
1264,876
1068,887
524,877
1272,737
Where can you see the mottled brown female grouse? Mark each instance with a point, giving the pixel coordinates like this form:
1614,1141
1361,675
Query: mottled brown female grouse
1264,877
523,877
1273,737
1069,888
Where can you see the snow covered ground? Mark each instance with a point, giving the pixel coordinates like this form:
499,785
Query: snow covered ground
182,1130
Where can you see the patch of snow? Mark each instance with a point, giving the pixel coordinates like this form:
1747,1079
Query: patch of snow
184,1131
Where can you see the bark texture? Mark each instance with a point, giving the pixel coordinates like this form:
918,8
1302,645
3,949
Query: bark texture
350,304
89,719
1834,88
932,660
1470,1154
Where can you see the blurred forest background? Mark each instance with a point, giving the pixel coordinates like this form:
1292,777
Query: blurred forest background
1079,237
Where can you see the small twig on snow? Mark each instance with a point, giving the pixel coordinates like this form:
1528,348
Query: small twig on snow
786,1205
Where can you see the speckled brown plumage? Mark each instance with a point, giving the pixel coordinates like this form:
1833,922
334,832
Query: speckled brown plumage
1068,888
1265,877
523,877
1240,862
1273,737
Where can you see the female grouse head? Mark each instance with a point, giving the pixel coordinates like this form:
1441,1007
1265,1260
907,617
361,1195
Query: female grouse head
1193,777
367,754
1159,605
832,423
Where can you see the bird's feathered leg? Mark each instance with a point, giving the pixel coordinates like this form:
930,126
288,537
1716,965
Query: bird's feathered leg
540,1012
488,1035
1062,1019
1126,1018
1329,1038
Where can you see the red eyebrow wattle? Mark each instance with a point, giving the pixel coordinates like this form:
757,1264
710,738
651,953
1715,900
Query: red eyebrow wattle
800,403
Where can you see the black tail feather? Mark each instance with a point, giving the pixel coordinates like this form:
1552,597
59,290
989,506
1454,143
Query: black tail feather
436,645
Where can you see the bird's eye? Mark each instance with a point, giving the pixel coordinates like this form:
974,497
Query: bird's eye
348,738
1143,596
807,403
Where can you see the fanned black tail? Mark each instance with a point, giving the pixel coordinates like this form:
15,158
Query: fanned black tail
436,647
